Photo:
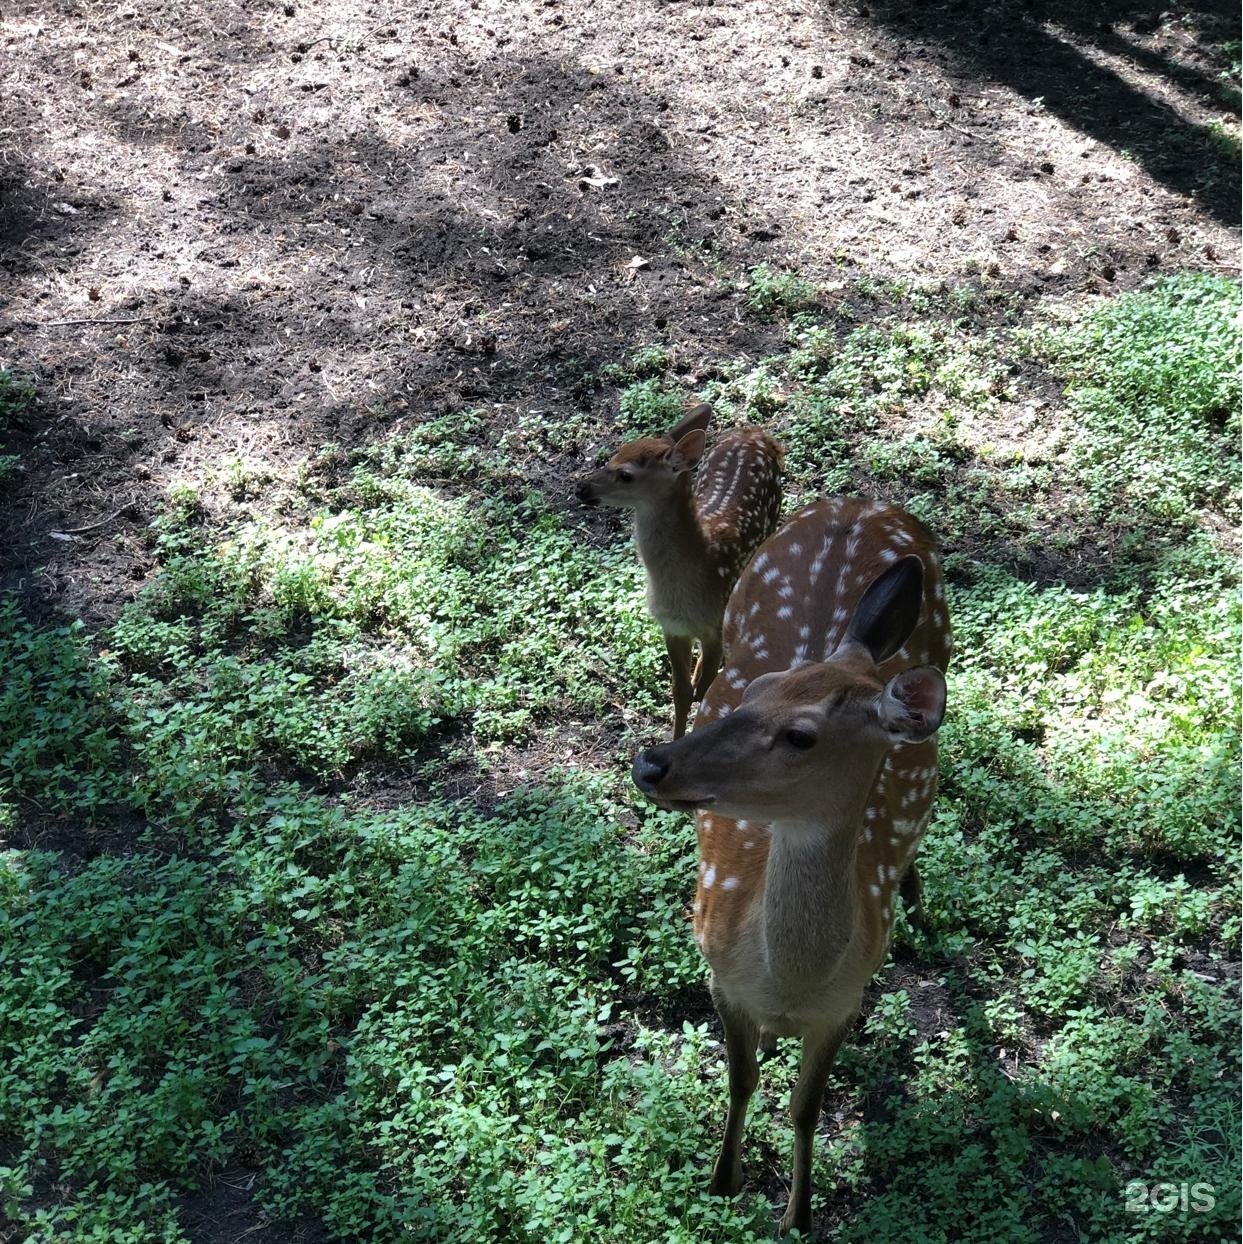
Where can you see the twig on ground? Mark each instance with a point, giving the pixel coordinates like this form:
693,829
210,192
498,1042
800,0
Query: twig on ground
142,319
103,522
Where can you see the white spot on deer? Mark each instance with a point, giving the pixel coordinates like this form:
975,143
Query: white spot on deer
710,877
796,548
867,835
771,574
888,555
785,612
730,883
785,591
875,889
880,872
743,824
750,842
696,907
892,873
804,632
760,562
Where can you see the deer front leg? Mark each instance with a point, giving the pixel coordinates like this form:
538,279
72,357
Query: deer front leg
709,665
744,1075
679,649
805,1103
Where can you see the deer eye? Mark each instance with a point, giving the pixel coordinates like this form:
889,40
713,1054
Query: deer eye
626,477
804,740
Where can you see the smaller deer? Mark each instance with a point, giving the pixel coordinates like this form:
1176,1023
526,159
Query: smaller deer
693,542
812,770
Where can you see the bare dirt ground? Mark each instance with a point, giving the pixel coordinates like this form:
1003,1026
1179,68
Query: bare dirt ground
241,229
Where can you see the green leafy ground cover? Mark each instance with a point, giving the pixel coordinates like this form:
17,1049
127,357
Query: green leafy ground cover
450,1016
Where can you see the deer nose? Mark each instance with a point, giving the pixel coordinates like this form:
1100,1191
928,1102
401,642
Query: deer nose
586,494
649,770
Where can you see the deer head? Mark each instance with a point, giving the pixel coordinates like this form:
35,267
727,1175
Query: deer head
805,739
645,471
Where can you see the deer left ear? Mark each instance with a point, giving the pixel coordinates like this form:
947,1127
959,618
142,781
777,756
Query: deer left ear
912,704
695,420
889,610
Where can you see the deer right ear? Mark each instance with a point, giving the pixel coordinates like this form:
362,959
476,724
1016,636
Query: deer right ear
887,614
686,453
695,420
912,706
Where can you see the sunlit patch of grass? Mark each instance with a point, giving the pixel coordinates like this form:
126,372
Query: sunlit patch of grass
1155,392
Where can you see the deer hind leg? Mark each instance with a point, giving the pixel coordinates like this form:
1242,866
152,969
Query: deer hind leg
709,665
744,1075
679,649
912,891
805,1103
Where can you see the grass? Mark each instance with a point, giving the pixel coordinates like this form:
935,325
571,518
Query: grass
290,942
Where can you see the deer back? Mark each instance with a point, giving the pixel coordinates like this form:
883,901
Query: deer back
792,606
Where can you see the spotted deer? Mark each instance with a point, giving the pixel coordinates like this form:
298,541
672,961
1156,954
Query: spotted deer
811,770
693,541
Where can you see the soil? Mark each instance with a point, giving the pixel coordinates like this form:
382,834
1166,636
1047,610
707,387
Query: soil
243,229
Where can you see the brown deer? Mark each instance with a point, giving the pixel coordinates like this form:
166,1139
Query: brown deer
693,541
812,770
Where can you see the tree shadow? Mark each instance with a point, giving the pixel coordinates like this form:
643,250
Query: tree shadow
382,285
1040,50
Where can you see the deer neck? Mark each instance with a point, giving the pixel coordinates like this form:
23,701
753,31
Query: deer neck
667,531
811,899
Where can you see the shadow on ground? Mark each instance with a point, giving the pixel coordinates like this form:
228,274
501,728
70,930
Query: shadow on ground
1051,50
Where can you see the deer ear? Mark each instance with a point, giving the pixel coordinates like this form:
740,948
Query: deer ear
686,453
756,685
912,705
887,614
695,420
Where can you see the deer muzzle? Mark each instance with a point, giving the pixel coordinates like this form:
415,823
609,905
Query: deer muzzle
650,769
